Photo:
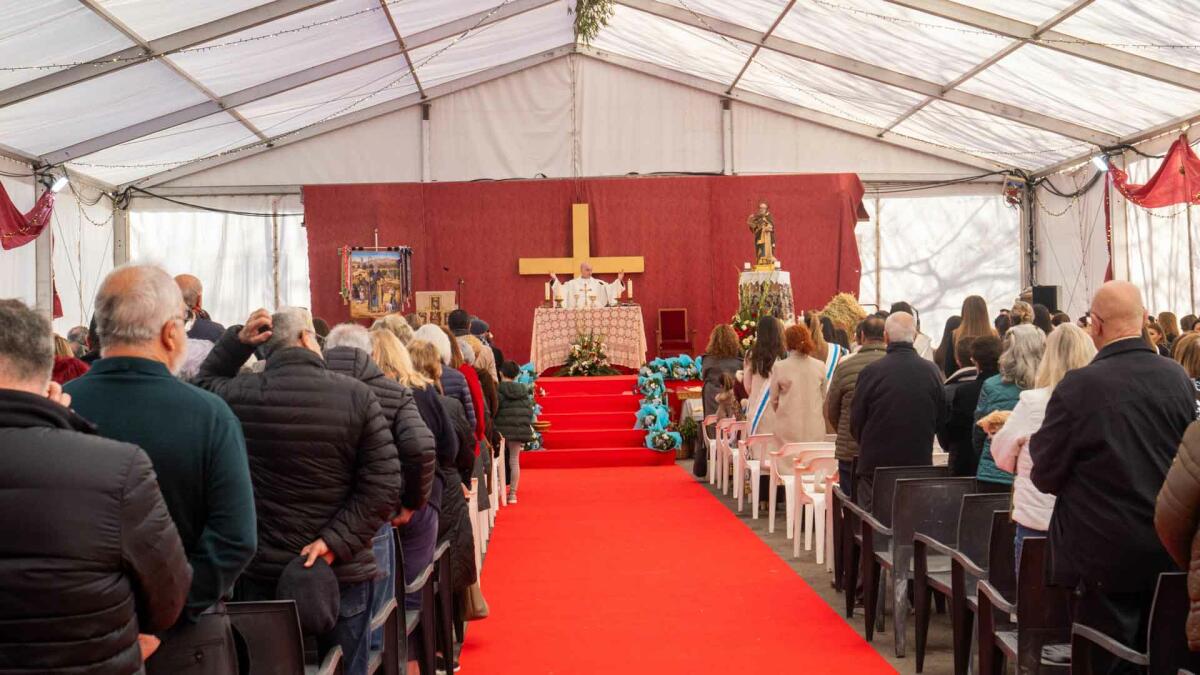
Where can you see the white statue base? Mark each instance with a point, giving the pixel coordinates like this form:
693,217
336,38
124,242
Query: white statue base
763,293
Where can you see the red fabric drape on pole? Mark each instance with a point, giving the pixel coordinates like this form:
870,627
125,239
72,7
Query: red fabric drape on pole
691,231
18,229
1177,180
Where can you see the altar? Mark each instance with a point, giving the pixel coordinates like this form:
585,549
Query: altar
554,330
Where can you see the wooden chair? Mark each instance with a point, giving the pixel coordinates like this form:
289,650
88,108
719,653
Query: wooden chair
1166,641
974,531
674,334
268,636
1043,617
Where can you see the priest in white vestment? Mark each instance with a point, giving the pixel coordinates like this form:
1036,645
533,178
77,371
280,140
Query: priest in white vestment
586,290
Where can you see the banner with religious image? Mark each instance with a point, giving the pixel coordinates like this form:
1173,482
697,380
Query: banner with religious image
376,282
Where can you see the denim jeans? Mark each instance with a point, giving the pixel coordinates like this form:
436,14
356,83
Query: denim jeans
352,631
845,477
385,587
1019,541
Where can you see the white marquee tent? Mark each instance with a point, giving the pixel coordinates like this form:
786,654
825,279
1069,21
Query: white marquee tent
170,105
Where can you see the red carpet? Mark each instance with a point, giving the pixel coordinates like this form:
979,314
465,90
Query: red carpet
641,570
591,425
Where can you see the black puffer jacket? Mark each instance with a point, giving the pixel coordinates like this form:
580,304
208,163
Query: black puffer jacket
454,385
89,555
454,521
515,416
321,456
414,442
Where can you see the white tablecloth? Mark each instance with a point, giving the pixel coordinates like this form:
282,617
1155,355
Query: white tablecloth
777,276
555,330
693,407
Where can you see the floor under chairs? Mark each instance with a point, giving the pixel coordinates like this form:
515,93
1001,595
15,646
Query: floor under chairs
933,547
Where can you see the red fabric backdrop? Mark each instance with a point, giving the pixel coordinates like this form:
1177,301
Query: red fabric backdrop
691,230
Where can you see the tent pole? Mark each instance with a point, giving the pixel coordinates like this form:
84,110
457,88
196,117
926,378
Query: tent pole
1191,260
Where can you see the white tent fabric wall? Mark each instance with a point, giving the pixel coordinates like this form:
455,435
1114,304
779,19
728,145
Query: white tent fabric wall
17,266
934,250
1071,240
1161,254
231,254
82,252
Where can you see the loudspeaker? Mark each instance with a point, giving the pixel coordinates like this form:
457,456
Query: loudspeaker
1046,295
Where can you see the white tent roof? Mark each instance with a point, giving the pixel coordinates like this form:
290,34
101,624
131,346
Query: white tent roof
129,90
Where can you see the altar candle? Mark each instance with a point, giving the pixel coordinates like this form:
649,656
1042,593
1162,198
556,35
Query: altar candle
631,289
547,290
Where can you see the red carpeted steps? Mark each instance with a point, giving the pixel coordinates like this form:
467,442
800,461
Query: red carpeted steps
591,425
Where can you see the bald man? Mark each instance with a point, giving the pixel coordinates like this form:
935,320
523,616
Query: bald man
202,327
586,290
1110,433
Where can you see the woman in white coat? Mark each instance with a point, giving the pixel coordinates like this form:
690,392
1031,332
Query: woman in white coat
798,386
1067,348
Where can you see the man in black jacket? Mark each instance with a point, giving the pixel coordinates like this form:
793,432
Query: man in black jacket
348,352
898,405
195,443
322,462
88,553
962,396
1110,434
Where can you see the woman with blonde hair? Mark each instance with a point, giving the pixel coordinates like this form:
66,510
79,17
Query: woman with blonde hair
1170,327
975,323
1021,314
1023,347
1068,347
825,349
392,357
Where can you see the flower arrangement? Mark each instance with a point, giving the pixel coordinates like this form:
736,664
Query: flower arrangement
653,417
653,389
745,326
663,440
588,357
682,367
528,376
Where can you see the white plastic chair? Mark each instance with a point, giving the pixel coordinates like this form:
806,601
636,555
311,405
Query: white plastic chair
802,452
718,450
752,459
737,431
473,510
812,497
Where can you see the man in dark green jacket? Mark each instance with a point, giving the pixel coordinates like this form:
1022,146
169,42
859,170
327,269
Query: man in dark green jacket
841,393
195,443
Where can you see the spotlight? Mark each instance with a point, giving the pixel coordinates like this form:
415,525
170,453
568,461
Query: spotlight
59,184
1101,162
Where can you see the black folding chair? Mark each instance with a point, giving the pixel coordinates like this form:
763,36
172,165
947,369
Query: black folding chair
925,505
971,539
268,637
1166,640
865,544
1043,618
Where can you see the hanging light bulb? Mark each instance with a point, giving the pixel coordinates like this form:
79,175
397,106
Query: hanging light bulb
1101,162
59,184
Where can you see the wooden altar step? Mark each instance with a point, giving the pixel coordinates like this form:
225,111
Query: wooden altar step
591,425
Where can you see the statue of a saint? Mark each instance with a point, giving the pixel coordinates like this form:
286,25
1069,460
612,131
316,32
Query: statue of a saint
763,226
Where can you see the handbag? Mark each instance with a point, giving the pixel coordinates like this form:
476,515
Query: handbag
474,606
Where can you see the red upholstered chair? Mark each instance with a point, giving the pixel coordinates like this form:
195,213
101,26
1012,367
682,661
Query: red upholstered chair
674,335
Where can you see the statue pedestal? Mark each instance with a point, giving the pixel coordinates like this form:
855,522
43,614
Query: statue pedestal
762,293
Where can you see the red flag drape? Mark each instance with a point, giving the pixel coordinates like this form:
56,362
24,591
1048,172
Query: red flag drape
18,229
1177,180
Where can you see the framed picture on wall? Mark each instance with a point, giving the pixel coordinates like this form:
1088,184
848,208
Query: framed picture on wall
434,306
375,282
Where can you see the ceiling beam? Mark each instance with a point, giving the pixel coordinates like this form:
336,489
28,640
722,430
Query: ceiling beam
746,66
387,11
131,56
1013,46
789,109
1176,126
1067,44
356,117
873,72
133,35
289,82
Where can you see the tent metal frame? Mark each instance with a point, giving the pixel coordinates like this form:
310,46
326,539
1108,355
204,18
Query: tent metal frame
1022,33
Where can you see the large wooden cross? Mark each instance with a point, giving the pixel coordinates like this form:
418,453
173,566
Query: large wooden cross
581,252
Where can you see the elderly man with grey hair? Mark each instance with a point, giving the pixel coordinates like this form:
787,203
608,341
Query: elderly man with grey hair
89,556
195,443
898,406
322,461
348,351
